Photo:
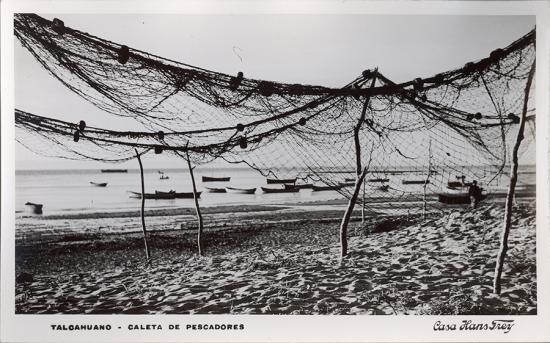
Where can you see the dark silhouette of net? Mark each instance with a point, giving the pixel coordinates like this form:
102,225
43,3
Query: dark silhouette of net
417,138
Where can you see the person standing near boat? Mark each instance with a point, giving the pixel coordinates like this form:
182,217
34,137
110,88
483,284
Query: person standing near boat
475,194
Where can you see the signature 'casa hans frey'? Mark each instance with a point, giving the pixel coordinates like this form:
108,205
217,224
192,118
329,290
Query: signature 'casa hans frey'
504,325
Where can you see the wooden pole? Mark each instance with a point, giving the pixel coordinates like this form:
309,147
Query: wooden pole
511,189
361,173
427,178
363,203
147,253
347,214
197,207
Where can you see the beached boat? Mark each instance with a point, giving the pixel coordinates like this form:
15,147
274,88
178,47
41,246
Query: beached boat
241,190
114,170
164,177
34,208
280,190
456,198
383,188
378,180
274,181
99,184
326,188
216,179
414,182
178,195
215,190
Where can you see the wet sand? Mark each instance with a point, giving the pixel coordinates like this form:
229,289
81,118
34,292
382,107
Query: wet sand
257,264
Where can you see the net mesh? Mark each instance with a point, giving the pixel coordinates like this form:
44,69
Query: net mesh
414,138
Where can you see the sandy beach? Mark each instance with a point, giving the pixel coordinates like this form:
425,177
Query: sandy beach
256,263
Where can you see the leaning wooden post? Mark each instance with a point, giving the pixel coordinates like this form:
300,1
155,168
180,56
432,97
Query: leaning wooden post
511,189
361,173
197,207
147,253
427,178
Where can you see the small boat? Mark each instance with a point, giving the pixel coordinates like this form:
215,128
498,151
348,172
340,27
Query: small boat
456,198
326,188
216,179
34,208
349,179
280,190
274,181
215,190
241,190
114,170
154,196
383,188
99,184
414,182
178,195
347,184
378,180
164,177
456,184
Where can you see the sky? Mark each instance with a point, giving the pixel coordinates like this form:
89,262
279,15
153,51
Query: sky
328,50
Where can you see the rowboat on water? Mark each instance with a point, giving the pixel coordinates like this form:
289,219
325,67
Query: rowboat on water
456,198
216,179
280,190
34,208
326,188
378,180
414,182
383,188
346,184
241,190
273,181
99,184
215,190
179,195
349,179
114,170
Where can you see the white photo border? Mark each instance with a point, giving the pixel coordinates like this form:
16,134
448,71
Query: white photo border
296,328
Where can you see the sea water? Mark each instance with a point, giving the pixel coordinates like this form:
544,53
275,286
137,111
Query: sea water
63,191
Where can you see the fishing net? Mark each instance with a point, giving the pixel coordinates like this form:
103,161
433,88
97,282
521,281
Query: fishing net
414,138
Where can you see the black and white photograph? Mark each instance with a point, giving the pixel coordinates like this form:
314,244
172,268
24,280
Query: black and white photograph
336,165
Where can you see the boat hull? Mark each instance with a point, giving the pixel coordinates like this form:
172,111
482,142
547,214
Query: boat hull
34,208
180,195
279,181
415,182
241,190
215,179
378,180
455,199
114,170
280,190
101,184
325,188
215,190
